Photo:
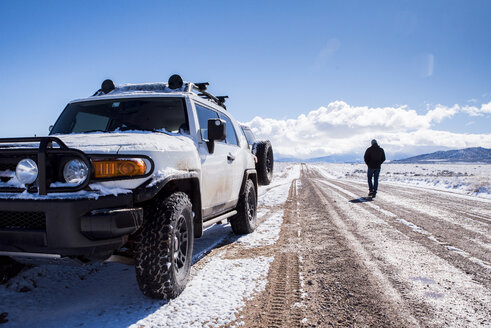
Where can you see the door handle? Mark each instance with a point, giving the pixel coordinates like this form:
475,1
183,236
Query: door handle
230,157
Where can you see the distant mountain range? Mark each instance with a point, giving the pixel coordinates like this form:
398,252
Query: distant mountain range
343,158
467,155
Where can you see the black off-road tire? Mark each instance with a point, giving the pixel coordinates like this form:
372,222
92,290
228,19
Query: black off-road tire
245,221
164,248
265,162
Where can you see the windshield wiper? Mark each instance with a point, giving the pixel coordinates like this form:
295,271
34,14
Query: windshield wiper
97,130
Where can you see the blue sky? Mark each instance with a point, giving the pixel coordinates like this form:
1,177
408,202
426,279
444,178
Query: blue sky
275,59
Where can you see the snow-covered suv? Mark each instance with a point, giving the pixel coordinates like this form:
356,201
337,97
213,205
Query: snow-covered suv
134,171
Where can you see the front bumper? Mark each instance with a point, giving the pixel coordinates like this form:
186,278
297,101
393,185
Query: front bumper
75,228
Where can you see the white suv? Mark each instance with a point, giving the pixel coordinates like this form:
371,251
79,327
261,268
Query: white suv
136,171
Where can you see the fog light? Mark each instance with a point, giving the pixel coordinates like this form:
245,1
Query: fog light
26,171
75,171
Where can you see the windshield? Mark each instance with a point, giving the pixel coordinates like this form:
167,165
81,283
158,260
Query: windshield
149,114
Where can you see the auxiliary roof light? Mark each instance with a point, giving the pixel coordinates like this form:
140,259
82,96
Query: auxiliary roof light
26,171
175,82
107,86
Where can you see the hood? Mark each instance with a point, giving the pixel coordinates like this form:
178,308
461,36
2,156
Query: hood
126,142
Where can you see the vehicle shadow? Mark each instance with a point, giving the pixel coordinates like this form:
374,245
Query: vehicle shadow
94,295
214,237
361,200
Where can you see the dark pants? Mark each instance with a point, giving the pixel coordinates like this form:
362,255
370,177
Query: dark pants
373,173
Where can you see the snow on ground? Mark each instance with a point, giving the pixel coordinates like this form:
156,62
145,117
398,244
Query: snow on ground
468,179
266,234
274,194
213,296
107,294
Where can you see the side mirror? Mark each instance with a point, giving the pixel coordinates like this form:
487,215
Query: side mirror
217,131
50,128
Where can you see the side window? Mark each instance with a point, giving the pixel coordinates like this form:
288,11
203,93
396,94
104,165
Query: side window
231,136
204,114
249,136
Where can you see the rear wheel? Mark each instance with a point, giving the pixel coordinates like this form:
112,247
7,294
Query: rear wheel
265,162
165,247
245,220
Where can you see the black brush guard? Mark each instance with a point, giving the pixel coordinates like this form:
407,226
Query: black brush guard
40,155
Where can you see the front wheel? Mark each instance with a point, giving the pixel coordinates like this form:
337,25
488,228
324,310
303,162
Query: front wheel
165,247
245,220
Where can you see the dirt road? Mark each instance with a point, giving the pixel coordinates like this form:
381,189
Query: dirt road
409,258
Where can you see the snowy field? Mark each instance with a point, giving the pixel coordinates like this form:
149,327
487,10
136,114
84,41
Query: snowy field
107,294
468,179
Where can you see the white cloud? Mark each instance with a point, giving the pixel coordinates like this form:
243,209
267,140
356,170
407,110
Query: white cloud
478,111
340,128
440,112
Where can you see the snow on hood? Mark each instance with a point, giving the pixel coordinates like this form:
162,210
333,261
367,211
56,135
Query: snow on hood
113,142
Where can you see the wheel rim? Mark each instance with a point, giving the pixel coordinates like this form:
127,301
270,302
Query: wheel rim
251,206
180,244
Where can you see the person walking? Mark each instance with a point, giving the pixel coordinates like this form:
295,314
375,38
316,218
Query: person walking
374,157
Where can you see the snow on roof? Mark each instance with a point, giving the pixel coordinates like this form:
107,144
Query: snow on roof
156,87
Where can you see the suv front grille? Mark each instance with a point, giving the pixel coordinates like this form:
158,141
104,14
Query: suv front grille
22,220
8,166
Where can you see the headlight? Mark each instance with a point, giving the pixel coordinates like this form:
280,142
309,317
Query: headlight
26,171
75,171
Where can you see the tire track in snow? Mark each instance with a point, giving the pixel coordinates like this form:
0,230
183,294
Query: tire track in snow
458,247
456,205
380,280
461,241
453,296
467,243
278,306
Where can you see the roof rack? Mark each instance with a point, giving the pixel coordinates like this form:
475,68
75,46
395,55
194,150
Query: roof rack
200,89
175,84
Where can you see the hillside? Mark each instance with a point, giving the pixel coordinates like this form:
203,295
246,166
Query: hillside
467,155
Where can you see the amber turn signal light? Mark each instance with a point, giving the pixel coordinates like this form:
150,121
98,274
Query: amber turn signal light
119,168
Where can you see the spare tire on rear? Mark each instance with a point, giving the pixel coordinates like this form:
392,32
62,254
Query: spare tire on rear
264,165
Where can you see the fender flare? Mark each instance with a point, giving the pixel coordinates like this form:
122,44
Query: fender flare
150,189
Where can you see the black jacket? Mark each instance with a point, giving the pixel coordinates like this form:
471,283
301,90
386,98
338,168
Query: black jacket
374,157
